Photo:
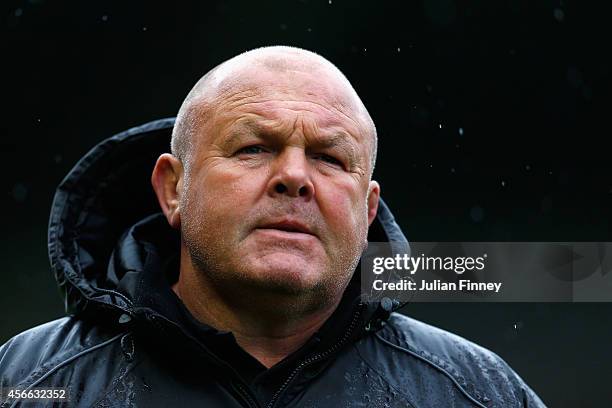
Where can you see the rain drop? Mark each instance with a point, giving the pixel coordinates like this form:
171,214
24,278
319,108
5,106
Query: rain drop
20,192
477,214
104,17
460,131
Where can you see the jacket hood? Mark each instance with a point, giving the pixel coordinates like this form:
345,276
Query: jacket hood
106,193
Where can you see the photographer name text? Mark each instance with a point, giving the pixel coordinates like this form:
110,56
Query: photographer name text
437,286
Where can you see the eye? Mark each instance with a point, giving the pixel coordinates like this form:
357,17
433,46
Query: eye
329,159
255,149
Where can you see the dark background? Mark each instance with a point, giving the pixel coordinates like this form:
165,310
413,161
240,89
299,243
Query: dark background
492,118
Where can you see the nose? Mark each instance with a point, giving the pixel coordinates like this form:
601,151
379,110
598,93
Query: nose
291,175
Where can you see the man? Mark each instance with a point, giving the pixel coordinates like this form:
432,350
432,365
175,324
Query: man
242,291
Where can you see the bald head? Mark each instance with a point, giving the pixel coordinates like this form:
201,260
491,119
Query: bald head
235,76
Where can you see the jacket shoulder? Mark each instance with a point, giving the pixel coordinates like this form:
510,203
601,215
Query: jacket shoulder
477,373
32,355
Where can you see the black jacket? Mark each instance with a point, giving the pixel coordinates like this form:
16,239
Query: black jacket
127,343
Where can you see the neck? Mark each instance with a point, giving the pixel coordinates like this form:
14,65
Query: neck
269,327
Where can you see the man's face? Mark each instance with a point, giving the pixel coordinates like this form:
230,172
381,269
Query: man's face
276,195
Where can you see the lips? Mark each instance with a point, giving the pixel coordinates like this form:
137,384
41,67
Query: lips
287,226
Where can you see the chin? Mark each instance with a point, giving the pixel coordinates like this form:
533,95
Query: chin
285,274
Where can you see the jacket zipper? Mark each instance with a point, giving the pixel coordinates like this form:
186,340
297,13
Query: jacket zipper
317,357
246,395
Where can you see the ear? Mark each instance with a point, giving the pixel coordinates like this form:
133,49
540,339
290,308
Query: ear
167,180
373,197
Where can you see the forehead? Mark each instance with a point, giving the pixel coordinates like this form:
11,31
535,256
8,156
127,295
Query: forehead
317,98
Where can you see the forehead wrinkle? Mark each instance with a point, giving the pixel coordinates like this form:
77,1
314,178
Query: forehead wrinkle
238,94
254,122
274,127
358,127
258,126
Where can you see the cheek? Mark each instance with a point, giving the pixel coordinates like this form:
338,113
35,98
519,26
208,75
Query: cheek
344,209
223,197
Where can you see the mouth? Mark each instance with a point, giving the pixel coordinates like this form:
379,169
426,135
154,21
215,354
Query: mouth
290,226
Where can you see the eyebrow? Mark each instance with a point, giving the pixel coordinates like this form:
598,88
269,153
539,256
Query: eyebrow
338,139
236,132
343,141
